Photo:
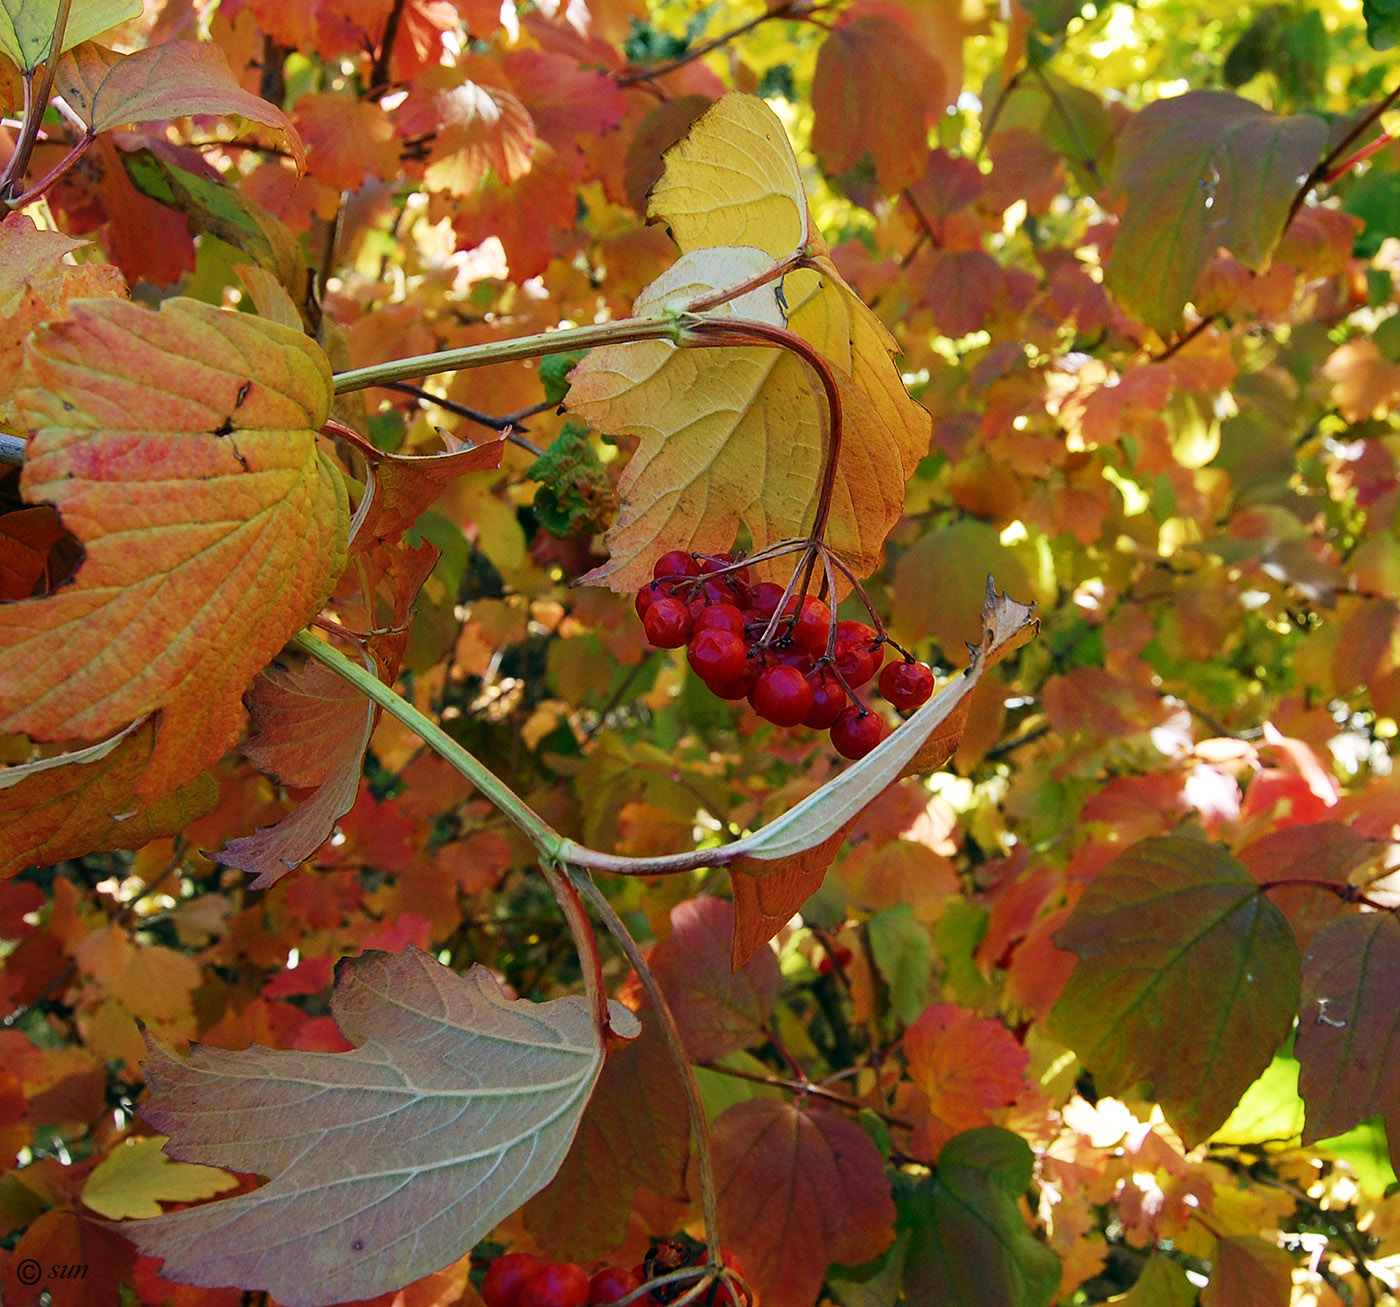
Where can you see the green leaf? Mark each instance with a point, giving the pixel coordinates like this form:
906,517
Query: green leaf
576,494
1269,1112
969,1245
1188,978
1162,1284
385,1162
26,26
903,954
1382,23
1364,1150
1202,170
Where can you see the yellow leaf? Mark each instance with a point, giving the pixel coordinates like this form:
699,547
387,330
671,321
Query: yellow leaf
135,1179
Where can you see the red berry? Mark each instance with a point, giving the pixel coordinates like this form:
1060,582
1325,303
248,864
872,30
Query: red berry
828,699
813,626
856,662
667,623
906,684
725,617
555,1284
610,1284
782,696
717,656
856,633
741,685
675,563
855,732
505,1276
764,599
646,596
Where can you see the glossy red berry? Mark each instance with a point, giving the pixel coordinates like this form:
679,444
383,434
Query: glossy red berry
855,732
610,1284
764,599
675,563
505,1276
856,662
667,623
717,656
906,684
782,696
646,596
828,699
813,626
725,617
555,1284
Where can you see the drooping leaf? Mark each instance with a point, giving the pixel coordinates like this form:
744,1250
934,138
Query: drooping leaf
1247,1272
192,432
1187,979
635,1134
171,80
405,485
969,1246
384,1163
718,1008
798,1189
85,802
1202,170
766,897
1162,1283
26,26
876,89
134,1179
1347,1037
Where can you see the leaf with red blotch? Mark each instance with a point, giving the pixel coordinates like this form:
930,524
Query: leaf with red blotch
171,80
1202,170
26,536
966,1066
62,1238
876,89
1187,979
475,125
1245,1271
719,1009
635,1134
455,1106
180,448
969,1243
799,1189
1347,1043
87,802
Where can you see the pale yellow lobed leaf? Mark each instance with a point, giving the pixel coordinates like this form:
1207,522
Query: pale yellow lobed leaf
136,1178
733,180
456,1105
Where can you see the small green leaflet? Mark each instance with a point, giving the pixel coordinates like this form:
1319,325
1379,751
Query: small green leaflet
1188,979
384,1163
26,26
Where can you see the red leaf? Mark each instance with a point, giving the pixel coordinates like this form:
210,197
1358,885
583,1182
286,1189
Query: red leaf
60,1239
765,902
799,1189
719,1009
1247,1272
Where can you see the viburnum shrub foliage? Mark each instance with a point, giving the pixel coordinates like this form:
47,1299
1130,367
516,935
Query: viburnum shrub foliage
517,785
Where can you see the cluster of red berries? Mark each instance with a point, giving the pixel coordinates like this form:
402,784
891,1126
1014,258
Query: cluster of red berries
800,670
524,1280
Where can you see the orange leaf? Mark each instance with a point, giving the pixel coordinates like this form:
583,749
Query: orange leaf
26,537
798,1190
49,813
767,896
875,90
347,139
62,1238
180,448
171,80
966,1065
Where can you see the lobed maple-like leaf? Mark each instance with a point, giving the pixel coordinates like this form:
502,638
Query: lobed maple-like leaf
171,80
799,1189
1187,979
1200,171
719,1009
27,26
180,448
969,1245
136,1177
1348,1033
384,1163
735,437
